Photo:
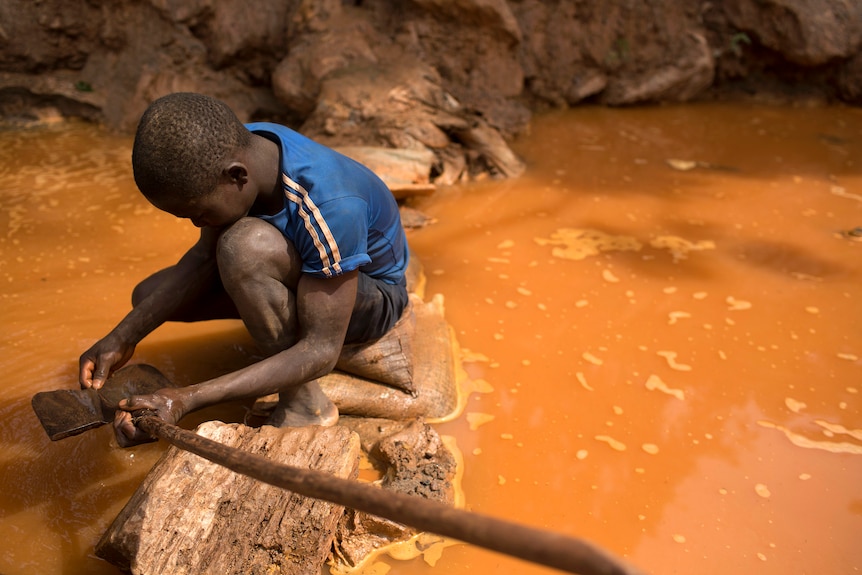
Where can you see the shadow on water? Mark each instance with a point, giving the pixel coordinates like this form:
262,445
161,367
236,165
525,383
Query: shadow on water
744,140
76,478
786,258
185,360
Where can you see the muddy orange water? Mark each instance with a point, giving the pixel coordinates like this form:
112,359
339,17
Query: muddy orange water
666,309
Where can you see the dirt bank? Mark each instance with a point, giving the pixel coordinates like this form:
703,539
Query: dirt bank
454,77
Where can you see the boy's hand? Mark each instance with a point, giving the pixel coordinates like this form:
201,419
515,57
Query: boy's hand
100,361
166,404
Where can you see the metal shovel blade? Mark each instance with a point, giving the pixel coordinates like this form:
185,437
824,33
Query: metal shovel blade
67,412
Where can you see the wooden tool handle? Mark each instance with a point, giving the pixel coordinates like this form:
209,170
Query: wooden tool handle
531,544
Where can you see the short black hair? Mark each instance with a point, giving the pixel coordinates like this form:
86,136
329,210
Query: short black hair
181,144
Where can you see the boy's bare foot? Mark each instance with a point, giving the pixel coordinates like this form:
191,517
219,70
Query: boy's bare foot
300,417
303,405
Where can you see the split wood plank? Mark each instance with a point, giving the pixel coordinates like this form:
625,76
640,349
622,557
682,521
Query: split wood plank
192,516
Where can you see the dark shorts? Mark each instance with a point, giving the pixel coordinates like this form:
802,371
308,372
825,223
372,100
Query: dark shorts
378,307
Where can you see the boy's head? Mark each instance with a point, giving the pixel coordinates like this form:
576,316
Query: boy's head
182,145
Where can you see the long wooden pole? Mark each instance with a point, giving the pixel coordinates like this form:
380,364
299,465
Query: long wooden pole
528,543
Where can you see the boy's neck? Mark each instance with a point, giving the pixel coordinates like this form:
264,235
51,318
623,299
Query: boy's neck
267,158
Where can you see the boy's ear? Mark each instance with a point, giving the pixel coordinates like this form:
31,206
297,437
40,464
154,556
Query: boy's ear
237,172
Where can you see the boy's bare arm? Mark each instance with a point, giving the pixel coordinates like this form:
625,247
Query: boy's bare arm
324,307
181,285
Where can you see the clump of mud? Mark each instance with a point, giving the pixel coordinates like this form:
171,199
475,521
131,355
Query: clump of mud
411,459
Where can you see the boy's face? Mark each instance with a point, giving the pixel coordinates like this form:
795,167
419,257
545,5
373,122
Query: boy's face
221,207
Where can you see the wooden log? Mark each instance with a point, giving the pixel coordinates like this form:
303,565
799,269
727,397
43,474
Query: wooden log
543,547
193,516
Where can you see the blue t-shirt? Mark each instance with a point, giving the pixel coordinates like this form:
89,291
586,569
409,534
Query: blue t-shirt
338,213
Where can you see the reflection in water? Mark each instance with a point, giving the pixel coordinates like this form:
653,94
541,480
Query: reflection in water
665,309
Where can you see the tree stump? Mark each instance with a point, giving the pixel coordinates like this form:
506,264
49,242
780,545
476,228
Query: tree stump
192,516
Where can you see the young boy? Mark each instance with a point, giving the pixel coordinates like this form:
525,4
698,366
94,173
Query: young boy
303,244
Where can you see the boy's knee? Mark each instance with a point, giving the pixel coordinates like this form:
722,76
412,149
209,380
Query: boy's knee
254,245
240,238
244,240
